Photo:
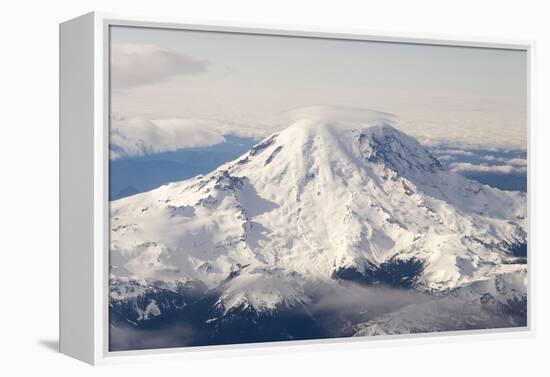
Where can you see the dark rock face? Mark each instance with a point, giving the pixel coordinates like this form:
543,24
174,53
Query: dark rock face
273,154
135,309
260,147
389,146
517,310
518,248
395,273
209,323
246,325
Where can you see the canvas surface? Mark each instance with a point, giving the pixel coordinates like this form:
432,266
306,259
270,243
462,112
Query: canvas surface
268,188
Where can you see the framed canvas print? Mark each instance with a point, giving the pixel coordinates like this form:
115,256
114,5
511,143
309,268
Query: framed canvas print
225,187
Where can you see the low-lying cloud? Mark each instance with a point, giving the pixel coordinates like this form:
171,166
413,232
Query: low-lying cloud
455,152
136,65
486,168
518,161
138,136
354,298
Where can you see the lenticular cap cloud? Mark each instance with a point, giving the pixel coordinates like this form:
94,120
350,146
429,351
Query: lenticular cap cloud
341,115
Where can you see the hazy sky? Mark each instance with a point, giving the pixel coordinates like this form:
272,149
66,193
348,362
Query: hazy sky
243,83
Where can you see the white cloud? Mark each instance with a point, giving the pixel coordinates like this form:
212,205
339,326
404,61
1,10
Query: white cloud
134,65
445,157
485,168
518,161
511,161
491,158
454,152
139,136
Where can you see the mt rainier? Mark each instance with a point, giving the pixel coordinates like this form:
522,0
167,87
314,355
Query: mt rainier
339,201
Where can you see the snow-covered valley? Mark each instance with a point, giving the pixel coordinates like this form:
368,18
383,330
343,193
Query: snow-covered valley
339,225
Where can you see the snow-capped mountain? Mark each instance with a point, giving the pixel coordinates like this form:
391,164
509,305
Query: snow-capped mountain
338,195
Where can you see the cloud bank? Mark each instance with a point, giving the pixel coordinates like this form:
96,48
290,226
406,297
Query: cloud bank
486,168
518,161
138,136
136,65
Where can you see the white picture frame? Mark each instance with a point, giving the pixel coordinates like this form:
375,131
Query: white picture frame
84,119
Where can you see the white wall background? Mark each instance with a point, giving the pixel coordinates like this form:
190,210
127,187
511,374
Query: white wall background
29,189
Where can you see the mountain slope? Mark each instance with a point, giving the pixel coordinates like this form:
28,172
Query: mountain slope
494,303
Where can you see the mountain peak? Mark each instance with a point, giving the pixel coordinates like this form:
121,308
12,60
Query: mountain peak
330,137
